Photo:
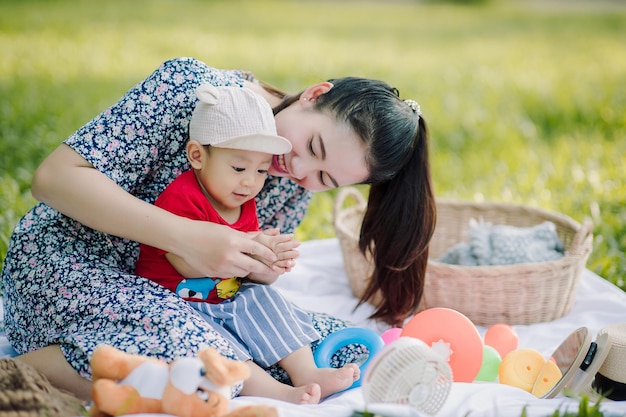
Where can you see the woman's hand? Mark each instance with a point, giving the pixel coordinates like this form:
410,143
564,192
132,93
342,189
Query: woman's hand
216,250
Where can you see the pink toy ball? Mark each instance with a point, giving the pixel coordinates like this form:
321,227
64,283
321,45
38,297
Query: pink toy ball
451,334
391,335
502,337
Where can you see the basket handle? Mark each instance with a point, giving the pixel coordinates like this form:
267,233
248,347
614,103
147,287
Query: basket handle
585,232
343,194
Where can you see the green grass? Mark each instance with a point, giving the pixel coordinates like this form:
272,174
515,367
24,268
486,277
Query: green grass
525,100
585,409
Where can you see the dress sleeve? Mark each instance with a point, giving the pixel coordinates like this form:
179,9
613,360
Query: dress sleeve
282,204
139,142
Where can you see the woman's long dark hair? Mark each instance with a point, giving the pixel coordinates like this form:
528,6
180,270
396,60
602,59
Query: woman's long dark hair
401,213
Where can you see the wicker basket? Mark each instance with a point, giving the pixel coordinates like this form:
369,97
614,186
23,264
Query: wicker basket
514,294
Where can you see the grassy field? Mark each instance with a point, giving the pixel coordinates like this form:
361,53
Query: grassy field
526,101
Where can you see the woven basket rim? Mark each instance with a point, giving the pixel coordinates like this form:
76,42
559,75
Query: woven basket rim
583,229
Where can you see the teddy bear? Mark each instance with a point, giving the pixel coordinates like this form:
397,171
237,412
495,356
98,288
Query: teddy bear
126,383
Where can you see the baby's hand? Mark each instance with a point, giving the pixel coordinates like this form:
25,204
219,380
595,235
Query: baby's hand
285,248
283,245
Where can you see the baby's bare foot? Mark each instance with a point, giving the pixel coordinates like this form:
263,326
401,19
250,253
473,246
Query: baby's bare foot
305,394
332,380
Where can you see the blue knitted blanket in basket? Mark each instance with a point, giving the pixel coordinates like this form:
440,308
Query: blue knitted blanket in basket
504,244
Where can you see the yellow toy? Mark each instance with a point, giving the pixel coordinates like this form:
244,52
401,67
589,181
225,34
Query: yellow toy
527,369
188,387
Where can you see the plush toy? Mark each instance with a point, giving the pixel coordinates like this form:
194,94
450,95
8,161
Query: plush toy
188,387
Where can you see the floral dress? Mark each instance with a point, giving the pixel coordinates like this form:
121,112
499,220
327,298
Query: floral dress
67,284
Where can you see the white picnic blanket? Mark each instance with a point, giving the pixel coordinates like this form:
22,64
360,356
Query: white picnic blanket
319,283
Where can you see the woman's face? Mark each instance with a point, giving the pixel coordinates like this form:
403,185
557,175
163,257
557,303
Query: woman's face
325,154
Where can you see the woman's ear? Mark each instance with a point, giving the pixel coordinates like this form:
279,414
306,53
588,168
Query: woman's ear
315,90
195,154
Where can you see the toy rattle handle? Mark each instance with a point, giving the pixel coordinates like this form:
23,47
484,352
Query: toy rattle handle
344,337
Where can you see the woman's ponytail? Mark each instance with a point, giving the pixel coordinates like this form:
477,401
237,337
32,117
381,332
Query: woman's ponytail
397,227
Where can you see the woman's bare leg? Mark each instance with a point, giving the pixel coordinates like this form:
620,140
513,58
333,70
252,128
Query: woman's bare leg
50,362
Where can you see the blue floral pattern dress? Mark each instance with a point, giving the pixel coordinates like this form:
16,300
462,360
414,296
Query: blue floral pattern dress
65,283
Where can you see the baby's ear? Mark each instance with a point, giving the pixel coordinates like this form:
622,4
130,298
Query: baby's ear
195,153
207,93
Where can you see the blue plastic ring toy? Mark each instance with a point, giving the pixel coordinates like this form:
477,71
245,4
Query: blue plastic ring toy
344,337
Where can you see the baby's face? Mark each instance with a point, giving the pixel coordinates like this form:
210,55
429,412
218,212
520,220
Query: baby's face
231,177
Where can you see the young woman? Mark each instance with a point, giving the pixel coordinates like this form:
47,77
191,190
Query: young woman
68,277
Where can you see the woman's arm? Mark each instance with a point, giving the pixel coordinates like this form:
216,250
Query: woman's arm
68,183
182,267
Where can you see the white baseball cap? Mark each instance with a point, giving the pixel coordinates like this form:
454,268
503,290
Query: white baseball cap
235,118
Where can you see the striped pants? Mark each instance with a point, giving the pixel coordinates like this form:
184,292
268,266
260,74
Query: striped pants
259,323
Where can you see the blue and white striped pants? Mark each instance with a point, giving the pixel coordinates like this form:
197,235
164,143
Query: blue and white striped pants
260,323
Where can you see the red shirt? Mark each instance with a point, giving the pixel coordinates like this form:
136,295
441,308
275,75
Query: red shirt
184,197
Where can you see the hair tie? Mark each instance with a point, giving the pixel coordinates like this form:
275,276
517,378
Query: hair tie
414,106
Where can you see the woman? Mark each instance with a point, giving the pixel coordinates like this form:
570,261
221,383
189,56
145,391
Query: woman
68,274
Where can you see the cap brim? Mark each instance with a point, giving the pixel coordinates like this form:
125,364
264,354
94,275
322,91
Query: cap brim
276,145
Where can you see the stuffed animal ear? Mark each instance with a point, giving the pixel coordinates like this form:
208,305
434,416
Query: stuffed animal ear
222,371
112,363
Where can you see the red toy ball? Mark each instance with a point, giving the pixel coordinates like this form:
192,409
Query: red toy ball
452,334
502,338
